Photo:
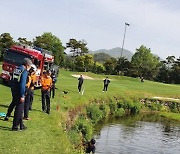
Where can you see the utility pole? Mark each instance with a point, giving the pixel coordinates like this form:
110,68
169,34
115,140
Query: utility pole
126,24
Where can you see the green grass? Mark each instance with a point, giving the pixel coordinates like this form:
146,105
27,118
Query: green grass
45,133
171,115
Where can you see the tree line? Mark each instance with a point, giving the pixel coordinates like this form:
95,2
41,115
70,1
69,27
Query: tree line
143,63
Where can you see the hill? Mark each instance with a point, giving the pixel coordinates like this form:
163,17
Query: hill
115,52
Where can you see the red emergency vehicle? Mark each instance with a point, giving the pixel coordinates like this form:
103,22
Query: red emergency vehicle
14,56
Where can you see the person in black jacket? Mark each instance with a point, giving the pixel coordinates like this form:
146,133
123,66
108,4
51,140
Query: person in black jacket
54,79
106,83
80,83
90,147
18,84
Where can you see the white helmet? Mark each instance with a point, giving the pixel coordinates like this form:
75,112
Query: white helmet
34,67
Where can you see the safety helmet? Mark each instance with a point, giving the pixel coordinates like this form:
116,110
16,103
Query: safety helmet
33,67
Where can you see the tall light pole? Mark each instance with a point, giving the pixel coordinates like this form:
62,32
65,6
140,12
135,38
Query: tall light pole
126,24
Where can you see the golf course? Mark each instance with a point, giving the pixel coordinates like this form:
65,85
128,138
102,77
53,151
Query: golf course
49,134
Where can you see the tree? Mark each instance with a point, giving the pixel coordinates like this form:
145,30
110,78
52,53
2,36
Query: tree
176,71
123,66
98,68
23,40
101,57
51,43
79,63
168,70
88,62
169,62
69,63
163,74
6,41
110,66
145,63
78,48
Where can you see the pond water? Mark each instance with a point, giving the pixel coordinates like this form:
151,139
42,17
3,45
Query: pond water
139,134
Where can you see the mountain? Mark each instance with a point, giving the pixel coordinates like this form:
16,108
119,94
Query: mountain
115,52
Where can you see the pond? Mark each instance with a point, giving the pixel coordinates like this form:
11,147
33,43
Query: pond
138,134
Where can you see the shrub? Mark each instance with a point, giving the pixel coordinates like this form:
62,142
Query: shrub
119,112
83,126
94,113
153,106
105,109
113,107
74,137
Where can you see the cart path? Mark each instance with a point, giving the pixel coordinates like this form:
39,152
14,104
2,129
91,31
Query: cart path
167,98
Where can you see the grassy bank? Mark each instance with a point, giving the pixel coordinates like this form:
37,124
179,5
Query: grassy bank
46,133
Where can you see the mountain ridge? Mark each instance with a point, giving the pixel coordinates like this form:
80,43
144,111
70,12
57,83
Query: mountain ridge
115,52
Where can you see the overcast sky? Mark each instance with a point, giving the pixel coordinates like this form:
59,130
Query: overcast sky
153,23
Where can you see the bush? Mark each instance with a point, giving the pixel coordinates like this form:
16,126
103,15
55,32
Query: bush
119,112
113,107
74,137
153,106
173,107
105,109
83,126
94,113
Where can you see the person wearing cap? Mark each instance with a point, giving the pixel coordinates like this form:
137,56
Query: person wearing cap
106,83
80,83
29,91
46,82
18,86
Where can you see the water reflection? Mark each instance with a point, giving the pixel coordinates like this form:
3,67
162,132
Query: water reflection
140,134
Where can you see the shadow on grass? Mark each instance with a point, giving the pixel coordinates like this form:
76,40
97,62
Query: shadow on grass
5,106
5,83
5,128
37,94
36,110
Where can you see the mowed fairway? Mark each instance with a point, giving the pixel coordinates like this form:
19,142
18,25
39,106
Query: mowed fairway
45,133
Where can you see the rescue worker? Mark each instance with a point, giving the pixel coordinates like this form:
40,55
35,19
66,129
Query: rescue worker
33,80
18,84
54,79
12,105
90,147
80,83
29,89
46,82
106,83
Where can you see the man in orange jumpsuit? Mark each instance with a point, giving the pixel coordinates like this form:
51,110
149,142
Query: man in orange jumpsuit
46,82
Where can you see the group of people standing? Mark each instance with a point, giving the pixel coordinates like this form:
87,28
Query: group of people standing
22,89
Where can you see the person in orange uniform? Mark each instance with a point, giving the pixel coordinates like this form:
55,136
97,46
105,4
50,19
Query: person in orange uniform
33,77
46,82
29,91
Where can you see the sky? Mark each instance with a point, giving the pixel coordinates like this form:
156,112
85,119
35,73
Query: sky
153,23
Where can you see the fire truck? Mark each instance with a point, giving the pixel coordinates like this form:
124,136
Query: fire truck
14,56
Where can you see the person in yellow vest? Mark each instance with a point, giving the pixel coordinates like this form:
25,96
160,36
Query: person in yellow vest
33,78
29,88
46,82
